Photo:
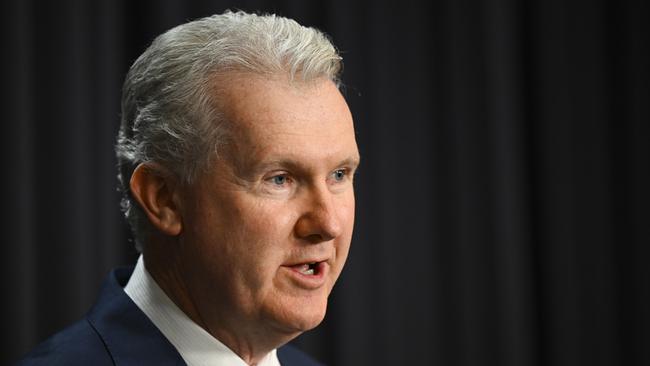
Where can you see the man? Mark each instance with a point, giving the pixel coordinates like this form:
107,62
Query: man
237,154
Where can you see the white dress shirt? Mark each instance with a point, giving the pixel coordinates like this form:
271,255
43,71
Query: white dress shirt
196,346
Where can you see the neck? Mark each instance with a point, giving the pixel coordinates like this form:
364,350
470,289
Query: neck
246,338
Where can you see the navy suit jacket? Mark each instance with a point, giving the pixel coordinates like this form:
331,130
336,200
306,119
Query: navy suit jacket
117,332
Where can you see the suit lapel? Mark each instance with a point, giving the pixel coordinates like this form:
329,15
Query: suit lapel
129,336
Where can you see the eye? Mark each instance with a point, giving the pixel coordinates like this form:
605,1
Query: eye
279,180
339,175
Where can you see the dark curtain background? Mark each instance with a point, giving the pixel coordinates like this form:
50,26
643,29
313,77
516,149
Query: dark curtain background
503,200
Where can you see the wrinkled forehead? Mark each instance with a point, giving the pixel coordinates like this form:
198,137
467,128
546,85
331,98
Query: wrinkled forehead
276,116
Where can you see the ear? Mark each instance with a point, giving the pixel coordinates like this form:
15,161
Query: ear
155,189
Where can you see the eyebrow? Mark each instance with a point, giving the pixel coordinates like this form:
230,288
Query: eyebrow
294,165
351,161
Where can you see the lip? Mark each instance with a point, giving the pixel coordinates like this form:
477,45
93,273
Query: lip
308,282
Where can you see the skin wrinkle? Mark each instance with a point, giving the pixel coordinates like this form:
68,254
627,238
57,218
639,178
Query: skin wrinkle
227,267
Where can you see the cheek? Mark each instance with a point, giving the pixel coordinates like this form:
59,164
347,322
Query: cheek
272,222
265,234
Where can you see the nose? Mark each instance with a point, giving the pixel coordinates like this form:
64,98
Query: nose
319,221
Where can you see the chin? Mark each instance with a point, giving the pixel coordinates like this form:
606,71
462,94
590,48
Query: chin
298,319
310,322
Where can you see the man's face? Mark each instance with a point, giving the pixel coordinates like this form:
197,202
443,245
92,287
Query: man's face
267,230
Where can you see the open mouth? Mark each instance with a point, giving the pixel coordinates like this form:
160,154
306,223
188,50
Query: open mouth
308,269
309,275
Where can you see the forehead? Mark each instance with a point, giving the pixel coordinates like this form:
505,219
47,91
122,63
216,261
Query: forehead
282,119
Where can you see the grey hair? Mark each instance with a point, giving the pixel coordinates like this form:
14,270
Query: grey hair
168,113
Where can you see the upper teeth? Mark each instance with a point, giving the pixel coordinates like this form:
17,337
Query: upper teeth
307,269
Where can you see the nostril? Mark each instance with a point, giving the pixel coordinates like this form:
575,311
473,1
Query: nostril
318,224
315,239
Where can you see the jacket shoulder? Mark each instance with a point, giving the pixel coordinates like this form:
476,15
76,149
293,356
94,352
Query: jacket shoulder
291,356
79,344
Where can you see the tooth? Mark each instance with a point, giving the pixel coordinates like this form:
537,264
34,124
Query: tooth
307,269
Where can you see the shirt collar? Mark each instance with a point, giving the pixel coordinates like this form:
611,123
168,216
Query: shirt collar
195,345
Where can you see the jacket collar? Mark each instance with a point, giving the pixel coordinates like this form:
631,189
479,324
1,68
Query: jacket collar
129,336
132,339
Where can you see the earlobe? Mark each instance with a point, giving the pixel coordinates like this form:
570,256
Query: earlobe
155,188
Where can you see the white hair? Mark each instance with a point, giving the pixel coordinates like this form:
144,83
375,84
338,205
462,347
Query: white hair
168,112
